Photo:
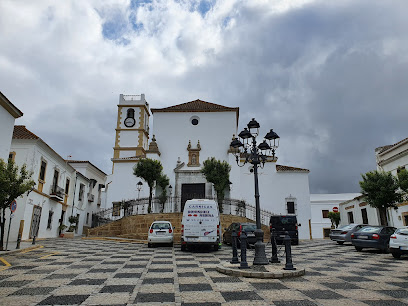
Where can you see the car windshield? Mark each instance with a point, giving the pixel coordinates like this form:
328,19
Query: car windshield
160,226
346,227
370,229
248,227
288,220
402,231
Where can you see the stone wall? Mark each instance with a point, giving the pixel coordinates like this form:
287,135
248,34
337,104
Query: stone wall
136,227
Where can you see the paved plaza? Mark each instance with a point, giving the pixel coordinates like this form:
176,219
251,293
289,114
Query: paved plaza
95,272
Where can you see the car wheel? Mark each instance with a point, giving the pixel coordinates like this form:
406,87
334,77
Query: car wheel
358,249
396,254
340,242
216,247
149,245
387,249
183,247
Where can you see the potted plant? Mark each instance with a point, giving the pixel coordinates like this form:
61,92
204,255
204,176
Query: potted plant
61,229
73,223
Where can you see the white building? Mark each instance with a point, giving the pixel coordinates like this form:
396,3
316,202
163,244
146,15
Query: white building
321,205
389,158
184,136
60,190
8,114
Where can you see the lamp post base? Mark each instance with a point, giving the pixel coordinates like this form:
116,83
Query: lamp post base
260,255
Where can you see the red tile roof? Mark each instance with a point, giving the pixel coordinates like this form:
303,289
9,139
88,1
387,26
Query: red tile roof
197,106
281,168
20,132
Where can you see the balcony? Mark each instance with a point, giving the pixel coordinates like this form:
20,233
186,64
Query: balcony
57,193
91,197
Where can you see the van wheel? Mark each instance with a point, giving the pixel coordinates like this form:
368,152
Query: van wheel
358,249
183,247
340,242
149,245
296,242
216,247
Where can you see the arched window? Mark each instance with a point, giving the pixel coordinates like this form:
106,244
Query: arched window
130,113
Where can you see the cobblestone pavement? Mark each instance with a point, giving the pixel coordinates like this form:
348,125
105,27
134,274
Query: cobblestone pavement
92,272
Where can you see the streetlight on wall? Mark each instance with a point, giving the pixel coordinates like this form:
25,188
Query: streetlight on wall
256,155
139,187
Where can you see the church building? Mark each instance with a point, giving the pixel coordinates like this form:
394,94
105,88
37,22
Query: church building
183,137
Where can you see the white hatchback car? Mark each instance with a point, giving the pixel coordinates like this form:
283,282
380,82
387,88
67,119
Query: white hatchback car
399,242
160,232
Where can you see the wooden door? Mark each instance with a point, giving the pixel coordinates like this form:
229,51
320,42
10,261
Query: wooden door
191,191
35,221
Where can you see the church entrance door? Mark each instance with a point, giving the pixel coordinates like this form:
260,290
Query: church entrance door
191,191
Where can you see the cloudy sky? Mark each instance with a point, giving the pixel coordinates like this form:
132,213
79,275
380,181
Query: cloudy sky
329,76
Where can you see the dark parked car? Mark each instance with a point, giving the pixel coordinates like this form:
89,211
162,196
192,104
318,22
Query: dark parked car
343,233
377,237
248,228
283,224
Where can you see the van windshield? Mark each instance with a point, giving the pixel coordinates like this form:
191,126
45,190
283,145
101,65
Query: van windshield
283,220
248,227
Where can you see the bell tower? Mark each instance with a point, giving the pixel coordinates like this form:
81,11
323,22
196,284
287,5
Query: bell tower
132,128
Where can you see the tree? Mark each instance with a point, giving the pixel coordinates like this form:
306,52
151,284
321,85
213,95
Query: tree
149,170
403,180
13,183
334,218
381,190
163,182
217,172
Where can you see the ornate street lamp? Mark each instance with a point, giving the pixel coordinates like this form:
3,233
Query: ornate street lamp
170,189
257,156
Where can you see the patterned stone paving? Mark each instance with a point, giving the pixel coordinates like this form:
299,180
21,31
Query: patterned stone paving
92,272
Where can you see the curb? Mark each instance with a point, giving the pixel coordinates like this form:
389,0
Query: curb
21,250
256,274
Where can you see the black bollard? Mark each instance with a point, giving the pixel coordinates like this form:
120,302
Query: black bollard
288,251
234,259
274,258
18,241
244,264
33,240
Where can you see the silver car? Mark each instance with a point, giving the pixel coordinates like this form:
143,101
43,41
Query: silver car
399,242
343,233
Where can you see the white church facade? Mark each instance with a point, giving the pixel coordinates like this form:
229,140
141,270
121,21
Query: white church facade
184,136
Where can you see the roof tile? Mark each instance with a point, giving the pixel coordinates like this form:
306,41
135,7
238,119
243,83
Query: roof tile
288,168
196,106
20,132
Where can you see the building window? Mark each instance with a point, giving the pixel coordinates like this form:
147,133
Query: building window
130,113
49,223
350,217
326,232
116,209
87,218
12,156
291,207
81,192
325,213
194,120
41,177
55,179
364,215
66,190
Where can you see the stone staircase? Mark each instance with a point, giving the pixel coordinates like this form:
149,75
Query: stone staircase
137,226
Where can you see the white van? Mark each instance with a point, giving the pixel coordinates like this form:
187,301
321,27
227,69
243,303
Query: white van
200,224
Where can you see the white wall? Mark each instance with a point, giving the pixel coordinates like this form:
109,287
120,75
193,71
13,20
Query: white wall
6,132
320,202
30,152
